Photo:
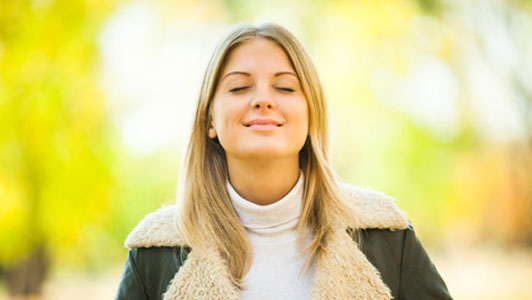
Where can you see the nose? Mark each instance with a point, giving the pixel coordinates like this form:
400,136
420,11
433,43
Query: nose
262,100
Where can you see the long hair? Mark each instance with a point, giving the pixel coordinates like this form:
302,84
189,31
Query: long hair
206,216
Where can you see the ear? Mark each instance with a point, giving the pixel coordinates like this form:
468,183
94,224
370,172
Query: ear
211,132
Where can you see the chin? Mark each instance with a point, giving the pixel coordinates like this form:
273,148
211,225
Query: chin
261,149
265,153
268,153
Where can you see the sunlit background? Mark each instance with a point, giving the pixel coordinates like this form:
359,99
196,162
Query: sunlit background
429,101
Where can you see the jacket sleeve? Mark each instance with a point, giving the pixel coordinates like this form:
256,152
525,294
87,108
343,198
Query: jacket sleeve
419,277
131,285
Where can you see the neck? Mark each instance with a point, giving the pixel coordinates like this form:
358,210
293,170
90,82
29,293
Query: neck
263,182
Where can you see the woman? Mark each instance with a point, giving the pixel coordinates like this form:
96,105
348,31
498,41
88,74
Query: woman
260,214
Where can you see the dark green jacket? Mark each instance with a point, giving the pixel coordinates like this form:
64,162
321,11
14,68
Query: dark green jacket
390,262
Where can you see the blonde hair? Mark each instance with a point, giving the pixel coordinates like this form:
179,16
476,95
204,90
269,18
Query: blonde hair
206,216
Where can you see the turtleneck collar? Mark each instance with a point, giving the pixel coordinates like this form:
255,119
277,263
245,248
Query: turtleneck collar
257,217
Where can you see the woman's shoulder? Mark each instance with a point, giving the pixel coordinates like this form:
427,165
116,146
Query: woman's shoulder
156,229
373,209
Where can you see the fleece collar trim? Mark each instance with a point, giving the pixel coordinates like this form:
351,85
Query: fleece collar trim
342,272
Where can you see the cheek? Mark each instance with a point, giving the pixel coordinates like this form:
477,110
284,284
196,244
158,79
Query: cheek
297,116
300,114
227,120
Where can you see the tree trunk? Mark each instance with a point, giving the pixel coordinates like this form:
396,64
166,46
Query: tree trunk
26,277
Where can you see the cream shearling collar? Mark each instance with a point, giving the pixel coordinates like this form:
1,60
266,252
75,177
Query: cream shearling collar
343,273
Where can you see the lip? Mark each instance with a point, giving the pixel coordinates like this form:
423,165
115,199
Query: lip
263,124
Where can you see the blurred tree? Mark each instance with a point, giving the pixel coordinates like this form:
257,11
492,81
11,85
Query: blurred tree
495,35
55,149
478,176
430,6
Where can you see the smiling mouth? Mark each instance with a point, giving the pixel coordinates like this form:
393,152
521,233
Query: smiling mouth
263,125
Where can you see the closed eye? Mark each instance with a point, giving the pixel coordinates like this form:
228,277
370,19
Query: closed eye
289,90
238,89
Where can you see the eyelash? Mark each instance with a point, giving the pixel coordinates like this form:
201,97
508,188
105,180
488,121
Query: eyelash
289,90
238,89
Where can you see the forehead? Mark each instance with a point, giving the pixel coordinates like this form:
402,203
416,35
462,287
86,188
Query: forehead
258,53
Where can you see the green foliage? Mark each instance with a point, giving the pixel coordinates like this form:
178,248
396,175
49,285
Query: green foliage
55,149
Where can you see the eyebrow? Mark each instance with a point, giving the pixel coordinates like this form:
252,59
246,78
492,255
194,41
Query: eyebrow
248,74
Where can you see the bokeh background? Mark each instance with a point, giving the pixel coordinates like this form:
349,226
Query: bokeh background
430,101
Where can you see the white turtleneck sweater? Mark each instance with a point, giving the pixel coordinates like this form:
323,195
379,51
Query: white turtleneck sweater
275,272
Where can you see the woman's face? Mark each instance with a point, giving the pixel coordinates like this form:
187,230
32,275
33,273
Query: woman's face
259,109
